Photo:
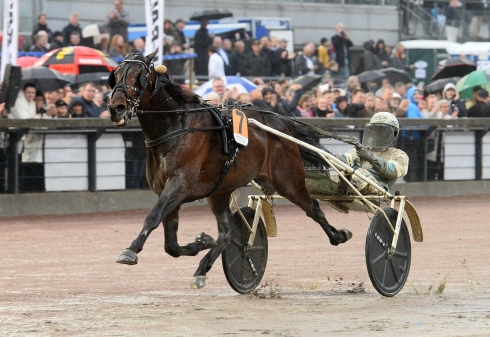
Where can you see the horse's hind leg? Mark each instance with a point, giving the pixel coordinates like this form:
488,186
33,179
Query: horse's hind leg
221,209
295,191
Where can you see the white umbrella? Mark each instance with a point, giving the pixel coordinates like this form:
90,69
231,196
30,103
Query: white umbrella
242,84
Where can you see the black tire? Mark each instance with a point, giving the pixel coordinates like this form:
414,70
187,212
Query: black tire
238,269
388,274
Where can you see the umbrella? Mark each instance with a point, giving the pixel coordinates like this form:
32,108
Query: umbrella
308,81
474,79
438,85
370,76
454,66
43,78
396,75
26,61
77,60
96,78
96,31
242,84
211,14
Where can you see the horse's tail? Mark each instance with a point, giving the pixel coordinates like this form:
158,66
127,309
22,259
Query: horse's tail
310,136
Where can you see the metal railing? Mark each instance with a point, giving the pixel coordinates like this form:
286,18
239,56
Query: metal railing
13,130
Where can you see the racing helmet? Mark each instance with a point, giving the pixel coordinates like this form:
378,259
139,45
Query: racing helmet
381,131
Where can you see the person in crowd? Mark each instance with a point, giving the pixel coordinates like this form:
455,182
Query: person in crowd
219,87
387,96
333,69
40,42
481,107
87,94
323,54
369,59
51,96
382,53
67,94
56,41
290,101
202,40
304,107
322,108
411,141
42,25
352,85
452,21
342,106
452,96
474,97
398,59
25,108
282,59
401,89
306,63
179,28
75,110
237,58
72,26
245,99
170,35
117,21
357,104
376,158
341,43
118,47
395,101
177,67
39,100
369,109
213,98
75,39
221,52
256,63
270,97
139,45
216,64
62,109
103,45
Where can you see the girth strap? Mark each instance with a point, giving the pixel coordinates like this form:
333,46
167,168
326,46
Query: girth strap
176,133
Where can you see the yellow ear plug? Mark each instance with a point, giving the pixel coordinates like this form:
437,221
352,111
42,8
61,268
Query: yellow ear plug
161,69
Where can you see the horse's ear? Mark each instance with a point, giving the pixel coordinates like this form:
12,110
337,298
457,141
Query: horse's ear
112,79
150,57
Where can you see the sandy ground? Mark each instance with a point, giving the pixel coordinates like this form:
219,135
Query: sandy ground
58,278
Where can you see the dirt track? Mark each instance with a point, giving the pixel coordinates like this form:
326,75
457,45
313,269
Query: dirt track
59,278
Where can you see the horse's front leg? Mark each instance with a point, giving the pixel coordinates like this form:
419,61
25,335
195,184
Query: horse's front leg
171,225
170,199
220,207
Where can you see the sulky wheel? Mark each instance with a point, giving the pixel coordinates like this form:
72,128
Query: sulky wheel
245,267
388,272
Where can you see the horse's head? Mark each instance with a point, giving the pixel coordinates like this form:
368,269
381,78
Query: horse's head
131,83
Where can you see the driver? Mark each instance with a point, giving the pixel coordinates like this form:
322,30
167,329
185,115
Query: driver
376,158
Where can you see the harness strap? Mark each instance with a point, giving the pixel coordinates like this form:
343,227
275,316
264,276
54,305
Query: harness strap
176,133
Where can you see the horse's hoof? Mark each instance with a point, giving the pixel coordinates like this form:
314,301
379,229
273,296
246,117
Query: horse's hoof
206,240
199,282
128,257
346,234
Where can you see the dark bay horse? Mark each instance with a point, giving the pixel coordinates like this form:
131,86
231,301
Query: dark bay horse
186,156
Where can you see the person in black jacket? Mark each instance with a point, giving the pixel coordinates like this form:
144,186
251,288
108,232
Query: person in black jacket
71,27
42,25
341,43
481,107
237,58
202,41
369,60
256,63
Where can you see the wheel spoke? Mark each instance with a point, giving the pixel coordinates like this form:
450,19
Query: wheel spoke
392,264
254,248
236,243
400,254
384,272
378,258
230,264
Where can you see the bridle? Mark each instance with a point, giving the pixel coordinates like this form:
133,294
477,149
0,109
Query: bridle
121,85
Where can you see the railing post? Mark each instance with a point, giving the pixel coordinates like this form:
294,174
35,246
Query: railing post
92,158
13,161
479,134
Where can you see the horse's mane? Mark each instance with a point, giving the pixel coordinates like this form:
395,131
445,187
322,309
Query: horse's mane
175,90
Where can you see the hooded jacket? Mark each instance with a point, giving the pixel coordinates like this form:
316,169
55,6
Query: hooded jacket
412,112
369,60
455,103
